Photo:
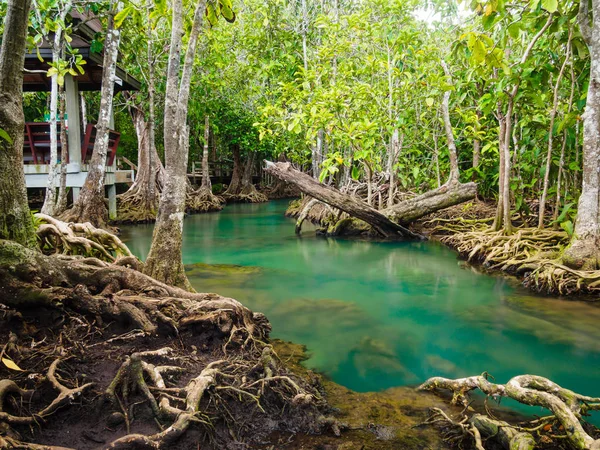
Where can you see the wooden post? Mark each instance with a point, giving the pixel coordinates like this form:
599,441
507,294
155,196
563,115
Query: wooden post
74,121
112,201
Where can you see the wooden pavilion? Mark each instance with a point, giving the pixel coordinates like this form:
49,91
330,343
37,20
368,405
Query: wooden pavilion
80,141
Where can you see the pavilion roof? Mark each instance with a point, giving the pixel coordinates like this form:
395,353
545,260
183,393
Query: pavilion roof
91,80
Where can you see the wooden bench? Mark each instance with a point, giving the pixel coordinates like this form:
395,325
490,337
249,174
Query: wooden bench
88,144
36,146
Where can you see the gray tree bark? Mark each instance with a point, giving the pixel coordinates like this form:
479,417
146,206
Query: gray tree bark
15,218
164,261
90,206
584,249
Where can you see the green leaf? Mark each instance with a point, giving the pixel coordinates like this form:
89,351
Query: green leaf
121,16
568,227
4,135
355,173
429,101
550,5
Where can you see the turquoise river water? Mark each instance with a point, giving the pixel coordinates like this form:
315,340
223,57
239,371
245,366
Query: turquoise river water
379,314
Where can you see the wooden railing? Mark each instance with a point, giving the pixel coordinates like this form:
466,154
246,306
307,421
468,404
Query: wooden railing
36,146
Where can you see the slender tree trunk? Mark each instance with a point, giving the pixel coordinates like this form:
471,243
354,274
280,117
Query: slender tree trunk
49,206
585,246
90,206
506,215
553,112
369,183
83,111
164,261
477,142
476,153
454,174
15,218
61,203
498,222
395,150
561,164
51,202
436,157
235,186
503,211
247,176
140,202
206,184
153,161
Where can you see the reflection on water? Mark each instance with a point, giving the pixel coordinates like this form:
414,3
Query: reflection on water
376,315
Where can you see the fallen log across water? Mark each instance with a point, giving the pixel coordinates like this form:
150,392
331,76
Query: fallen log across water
390,222
441,198
327,194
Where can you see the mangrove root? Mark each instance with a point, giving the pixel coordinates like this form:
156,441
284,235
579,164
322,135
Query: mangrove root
567,411
82,239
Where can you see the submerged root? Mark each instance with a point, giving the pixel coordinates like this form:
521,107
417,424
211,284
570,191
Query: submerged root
564,425
82,239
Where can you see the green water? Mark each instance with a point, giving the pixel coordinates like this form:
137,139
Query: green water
375,315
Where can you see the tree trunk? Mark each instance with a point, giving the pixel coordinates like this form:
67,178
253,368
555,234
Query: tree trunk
503,211
61,202
235,185
50,199
395,149
561,163
90,206
140,202
453,177
553,112
584,249
206,183
203,200
443,197
247,176
51,202
15,218
164,261
350,205
497,225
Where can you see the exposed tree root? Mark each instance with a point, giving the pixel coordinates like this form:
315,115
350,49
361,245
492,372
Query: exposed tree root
79,239
202,200
531,253
565,424
134,206
206,363
248,194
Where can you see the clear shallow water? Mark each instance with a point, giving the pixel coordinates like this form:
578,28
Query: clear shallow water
375,315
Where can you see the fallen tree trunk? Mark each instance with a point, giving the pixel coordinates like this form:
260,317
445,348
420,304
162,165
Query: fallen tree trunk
441,198
388,222
333,197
